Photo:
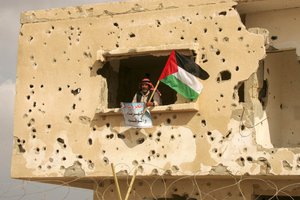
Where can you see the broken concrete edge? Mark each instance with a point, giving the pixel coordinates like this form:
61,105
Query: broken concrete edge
68,181
99,10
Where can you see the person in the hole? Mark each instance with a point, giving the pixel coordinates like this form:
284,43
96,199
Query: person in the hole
144,93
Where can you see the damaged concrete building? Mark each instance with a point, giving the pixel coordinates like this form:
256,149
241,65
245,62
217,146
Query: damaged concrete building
239,140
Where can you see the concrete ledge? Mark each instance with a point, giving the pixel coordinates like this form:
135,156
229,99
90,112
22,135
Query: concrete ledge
183,107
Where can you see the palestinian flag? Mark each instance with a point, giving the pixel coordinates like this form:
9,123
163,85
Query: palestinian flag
181,74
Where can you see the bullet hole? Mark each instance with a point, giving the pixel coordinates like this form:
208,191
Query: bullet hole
194,136
242,127
215,150
140,141
172,137
159,134
54,60
121,136
34,104
239,28
57,150
117,45
237,68
250,159
241,38
157,140
64,158
94,129
21,149
60,140
209,133
225,75
223,59
226,39
59,89
195,39
205,30
140,169
274,37
203,122
116,24
76,91
220,29
105,160
168,121
67,119
74,106
221,95
154,172
37,150
42,86
132,35
158,24
30,38
79,156
135,163
212,138
107,125
158,155
182,38
220,154
33,130
152,152
223,13
28,97
90,141
204,61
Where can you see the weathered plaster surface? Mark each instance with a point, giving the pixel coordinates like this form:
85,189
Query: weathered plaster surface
59,133
278,22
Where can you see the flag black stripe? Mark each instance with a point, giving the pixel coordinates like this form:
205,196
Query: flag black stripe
190,66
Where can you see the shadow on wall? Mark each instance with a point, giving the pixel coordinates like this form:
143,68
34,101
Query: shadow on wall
279,95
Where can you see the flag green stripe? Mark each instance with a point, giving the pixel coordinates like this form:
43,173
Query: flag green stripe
180,87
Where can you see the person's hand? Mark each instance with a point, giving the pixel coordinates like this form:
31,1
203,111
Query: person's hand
149,104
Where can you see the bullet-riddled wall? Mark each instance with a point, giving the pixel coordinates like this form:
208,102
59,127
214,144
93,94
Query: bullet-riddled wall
64,126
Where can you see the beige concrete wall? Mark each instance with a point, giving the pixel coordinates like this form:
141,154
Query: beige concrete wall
283,26
58,131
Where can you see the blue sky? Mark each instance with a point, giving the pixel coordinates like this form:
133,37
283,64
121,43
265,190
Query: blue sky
10,23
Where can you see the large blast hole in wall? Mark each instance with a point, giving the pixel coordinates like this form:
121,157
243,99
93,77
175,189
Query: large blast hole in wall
124,75
279,93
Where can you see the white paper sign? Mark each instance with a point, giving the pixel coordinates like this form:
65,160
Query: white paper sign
135,116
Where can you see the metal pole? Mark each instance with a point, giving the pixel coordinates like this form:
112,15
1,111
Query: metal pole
116,181
130,186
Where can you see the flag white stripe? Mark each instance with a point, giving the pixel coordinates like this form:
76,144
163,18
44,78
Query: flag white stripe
188,79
